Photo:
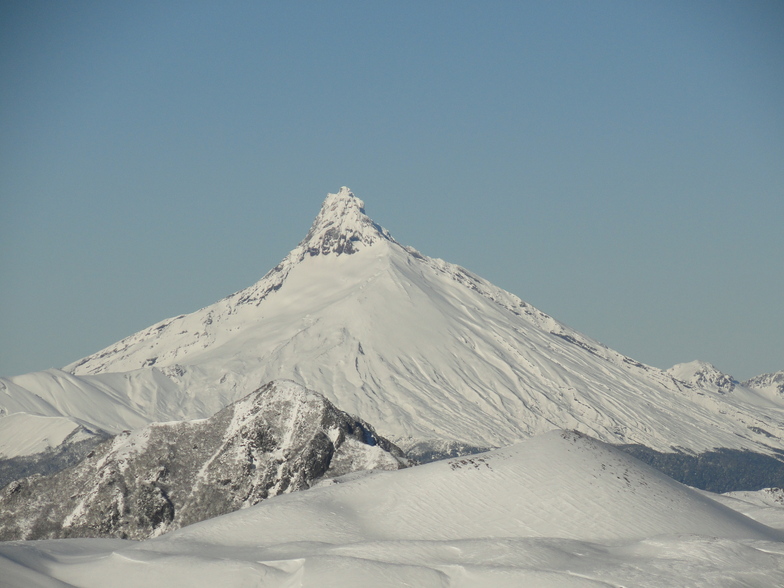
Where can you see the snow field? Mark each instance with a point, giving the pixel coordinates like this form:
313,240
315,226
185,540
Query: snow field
427,353
26,434
560,509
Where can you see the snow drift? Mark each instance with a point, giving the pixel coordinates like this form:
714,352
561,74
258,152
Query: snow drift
559,509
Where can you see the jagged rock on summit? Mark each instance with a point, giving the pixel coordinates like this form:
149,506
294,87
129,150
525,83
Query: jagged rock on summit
342,227
771,383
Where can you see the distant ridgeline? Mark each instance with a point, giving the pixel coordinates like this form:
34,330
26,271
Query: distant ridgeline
50,461
721,470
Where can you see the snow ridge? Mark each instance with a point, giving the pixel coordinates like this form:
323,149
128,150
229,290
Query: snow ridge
702,374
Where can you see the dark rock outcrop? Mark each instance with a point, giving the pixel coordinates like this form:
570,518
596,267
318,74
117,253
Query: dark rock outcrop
279,439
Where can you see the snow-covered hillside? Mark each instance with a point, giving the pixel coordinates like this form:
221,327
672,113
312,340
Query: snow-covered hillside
765,506
429,353
25,434
278,439
559,510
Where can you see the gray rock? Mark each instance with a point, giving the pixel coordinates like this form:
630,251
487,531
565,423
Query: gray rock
140,484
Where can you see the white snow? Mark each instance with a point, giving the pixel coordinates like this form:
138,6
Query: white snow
25,434
765,506
423,350
556,510
769,385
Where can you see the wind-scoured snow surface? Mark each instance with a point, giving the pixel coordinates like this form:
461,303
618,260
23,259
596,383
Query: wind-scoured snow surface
559,509
435,357
766,506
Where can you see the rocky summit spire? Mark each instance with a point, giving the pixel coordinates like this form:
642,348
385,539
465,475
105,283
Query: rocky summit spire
342,226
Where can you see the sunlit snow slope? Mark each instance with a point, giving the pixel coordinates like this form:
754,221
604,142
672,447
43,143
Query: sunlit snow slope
559,509
559,484
422,349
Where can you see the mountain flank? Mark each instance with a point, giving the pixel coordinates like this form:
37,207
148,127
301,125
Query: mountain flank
439,360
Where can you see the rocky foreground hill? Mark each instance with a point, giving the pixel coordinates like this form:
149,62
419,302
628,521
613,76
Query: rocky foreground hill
279,439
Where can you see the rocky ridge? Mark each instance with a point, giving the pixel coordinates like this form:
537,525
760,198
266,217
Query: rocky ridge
703,375
277,440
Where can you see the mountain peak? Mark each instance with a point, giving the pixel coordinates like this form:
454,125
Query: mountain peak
703,375
773,382
342,226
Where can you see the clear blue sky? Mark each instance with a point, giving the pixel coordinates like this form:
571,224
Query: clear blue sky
620,165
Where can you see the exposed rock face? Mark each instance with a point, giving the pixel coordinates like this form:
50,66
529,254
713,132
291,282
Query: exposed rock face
704,375
342,227
774,383
140,484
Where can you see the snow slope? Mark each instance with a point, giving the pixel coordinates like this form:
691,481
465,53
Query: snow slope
429,353
559,484
25,434
111,402
765,506
559,509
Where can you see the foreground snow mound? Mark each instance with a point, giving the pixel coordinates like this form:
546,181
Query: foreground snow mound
279,439
560,484
765,506
559,510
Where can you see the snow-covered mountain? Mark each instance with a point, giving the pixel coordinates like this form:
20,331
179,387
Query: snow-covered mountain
758,391
278,439
559,509
771,384
704,375
435,357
